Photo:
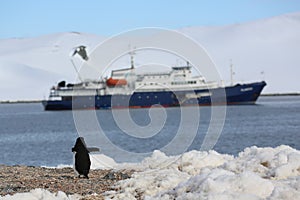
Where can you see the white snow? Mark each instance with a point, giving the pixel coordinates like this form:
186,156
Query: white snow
101,161
30,66
268,45
256,173
41,194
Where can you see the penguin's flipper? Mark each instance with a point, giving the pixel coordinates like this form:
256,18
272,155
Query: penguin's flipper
93,149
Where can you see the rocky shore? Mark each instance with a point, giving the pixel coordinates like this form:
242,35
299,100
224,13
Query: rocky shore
19,179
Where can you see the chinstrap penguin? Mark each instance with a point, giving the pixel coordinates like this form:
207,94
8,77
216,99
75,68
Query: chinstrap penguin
82,162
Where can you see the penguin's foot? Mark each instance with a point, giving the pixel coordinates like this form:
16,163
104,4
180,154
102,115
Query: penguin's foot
83,176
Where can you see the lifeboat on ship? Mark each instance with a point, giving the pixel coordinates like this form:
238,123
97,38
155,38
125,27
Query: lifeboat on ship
116,82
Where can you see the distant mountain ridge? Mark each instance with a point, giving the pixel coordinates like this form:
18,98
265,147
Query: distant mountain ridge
262,49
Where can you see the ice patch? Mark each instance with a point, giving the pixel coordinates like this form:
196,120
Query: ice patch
60,166
101,161
38,194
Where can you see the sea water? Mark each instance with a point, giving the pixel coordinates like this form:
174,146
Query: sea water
31,136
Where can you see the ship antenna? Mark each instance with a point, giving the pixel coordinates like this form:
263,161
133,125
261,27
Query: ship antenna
132,53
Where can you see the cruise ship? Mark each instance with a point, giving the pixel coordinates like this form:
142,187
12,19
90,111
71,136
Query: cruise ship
125,88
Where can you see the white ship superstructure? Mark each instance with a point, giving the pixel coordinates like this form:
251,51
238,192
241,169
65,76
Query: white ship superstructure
178,78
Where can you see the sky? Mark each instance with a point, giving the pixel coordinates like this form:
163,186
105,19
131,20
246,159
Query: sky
33,18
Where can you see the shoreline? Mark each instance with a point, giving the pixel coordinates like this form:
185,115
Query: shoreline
23,179
19,101
280,94
40,101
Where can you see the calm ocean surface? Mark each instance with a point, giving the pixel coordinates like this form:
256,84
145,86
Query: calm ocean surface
31,136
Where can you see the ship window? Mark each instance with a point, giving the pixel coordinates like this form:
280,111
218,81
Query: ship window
140,97
147,97
192,82
155,97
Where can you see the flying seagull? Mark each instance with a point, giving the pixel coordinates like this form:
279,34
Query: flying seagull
80,50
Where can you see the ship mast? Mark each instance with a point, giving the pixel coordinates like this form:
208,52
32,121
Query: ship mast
132,53
231,72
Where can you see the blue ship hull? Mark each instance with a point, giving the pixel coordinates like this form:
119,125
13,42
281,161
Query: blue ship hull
237,94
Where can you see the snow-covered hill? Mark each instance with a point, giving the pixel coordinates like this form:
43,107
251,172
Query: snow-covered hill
264,49
30,66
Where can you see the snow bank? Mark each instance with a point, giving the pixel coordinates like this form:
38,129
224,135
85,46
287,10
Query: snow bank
38,194
257,173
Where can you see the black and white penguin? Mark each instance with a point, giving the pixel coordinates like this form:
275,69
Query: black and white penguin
82,162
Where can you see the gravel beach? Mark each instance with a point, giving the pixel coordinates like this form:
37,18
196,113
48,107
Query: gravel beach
19,179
